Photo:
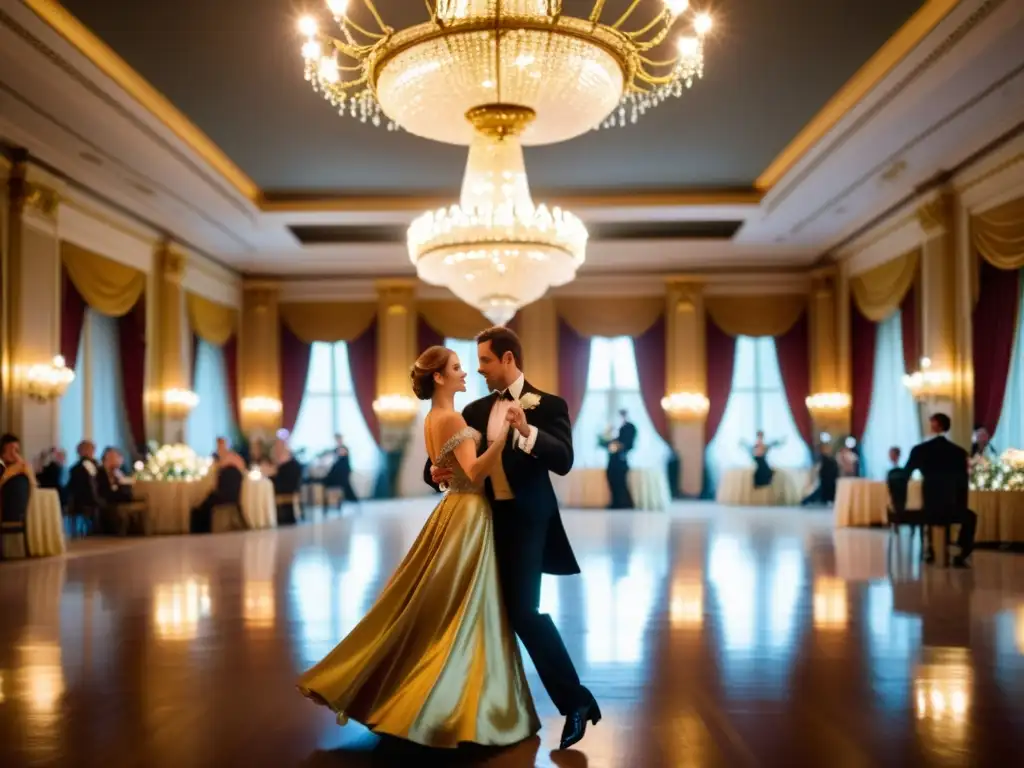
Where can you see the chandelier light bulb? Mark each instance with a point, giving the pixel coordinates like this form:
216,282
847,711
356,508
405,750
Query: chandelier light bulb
677,7
308,26
337,7
328,70
689,47
311,50
702,23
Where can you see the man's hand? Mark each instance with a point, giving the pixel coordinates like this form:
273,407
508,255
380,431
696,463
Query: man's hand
517,418
440,475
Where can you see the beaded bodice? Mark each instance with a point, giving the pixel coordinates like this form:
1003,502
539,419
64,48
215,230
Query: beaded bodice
460,482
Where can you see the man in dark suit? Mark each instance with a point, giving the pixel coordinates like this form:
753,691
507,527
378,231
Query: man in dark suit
943,464
529,538
121,514
83,496
618,463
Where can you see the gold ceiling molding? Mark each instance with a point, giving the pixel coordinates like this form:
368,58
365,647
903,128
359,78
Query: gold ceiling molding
136,86
895,49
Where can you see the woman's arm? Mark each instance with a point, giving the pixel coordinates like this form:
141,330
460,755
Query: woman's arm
475,467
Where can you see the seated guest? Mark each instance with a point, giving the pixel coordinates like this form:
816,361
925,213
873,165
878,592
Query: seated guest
287,481
121,514
83,499
981,447
944,466
51,472
847,459
828,473
897,480
227,487
340,474
16,480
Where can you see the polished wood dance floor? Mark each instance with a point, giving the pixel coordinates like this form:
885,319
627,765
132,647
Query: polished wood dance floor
710,636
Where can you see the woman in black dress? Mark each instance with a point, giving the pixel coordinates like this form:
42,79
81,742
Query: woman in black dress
763,473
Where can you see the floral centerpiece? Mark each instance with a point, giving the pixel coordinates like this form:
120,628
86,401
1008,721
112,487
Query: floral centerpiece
172,462
1006,474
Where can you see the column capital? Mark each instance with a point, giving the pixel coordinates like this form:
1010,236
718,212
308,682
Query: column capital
171,263
936,215
396,295
31,197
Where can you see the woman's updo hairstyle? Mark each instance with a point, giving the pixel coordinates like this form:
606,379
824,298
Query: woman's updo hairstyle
433,360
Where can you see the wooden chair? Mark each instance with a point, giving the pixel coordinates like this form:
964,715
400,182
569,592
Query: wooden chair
289,508
898,515
227,517
14,499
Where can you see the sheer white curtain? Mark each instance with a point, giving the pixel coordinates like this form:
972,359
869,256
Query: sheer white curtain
893,418
72,407
1010,430
410,474
109,418
329,407
757,402
211,418
613,384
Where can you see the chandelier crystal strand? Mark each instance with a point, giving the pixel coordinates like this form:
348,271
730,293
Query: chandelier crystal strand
496,250
577,74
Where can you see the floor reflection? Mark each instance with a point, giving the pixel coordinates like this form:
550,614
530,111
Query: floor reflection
711,636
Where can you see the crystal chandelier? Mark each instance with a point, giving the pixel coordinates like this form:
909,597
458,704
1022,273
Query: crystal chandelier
575,74
496,250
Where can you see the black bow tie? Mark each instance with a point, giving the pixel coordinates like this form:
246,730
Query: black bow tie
506,395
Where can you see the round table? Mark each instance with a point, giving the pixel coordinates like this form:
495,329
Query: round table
170,503
45,524
587,488
736,488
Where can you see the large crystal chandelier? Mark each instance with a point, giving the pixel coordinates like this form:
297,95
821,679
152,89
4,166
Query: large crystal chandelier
496,250
576,74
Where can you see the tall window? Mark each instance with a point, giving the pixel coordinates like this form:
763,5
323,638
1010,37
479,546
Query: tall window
893,418
613,384
1010,430
212,417
329,407
757,402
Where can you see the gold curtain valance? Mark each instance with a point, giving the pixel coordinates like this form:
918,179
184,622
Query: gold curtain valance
756,315
109,287
453,319
998,235
880,291
328,321
610,316
212,322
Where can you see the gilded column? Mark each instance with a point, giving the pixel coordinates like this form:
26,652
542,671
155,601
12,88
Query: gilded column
832,413
259,358
396,335
941,312
537,326
686,377
30,304
171,382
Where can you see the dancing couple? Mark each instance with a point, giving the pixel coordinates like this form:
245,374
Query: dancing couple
435,661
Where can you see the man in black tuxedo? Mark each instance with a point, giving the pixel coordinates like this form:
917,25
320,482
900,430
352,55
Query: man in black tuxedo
82,491
529,538
943,464
618,463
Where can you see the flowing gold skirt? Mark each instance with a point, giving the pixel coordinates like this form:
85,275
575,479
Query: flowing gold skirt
435,661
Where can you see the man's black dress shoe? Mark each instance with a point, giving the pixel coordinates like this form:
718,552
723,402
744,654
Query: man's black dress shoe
576,723
960,562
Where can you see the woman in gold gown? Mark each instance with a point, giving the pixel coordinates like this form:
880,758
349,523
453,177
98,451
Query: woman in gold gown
435,661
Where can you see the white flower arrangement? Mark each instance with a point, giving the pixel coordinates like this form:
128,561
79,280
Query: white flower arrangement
173,462
1007,474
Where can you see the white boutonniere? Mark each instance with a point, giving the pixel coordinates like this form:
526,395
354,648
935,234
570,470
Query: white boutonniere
529,401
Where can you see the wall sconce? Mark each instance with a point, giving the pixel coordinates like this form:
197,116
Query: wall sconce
928,382
49,381
827,403
396,410
178,403
261,406
685,406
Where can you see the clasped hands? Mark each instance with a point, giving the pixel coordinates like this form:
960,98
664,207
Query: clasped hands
516,418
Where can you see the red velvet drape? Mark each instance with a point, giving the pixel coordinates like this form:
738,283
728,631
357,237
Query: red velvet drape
721,360
295,355
649,348
195,358
72,319
573,367
909,328
362,360
793,349
131,334
994,327
426,336
863,333
230,352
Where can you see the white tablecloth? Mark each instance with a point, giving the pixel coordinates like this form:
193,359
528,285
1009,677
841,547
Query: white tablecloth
736,488
587,488
170,503
45,524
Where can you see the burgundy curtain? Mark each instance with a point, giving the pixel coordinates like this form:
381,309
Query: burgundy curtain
863,333
649,348
995,324
72,318
362,360
131,334
195,358
573,367
294,370
230,352
721,360
426,336
793,349
909,325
